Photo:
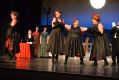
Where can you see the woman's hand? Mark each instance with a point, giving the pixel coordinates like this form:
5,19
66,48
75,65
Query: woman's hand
100,28
67,26
83,29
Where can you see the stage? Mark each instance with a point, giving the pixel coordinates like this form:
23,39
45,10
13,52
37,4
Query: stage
42,68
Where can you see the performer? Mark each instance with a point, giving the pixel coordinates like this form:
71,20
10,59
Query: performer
100,47
36,35
30,40
57,36
115,44
44,43
74,45
13,36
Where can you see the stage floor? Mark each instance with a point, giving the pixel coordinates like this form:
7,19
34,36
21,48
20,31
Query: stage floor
73,66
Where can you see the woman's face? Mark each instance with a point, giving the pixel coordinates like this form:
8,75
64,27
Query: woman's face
29,32
76,23
45,29
37,29
13,16
57,14
94,21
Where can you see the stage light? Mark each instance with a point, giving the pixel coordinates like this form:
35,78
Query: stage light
97,4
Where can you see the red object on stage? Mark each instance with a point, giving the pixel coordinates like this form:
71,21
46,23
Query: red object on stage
24,51
22,63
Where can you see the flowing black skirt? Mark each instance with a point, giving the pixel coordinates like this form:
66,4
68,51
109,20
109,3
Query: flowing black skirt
100,48
56,41
74,47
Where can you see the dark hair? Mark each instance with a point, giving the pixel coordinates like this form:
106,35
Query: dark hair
96,17
15,13
75,19
57,10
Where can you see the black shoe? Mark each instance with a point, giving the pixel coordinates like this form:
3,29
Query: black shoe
82,63
53,61
65,62
56,61
106,64
95,64
66,59
113,64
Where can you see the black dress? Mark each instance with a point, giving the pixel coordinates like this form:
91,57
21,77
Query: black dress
14,36
115,44
73,46
57,38
100,47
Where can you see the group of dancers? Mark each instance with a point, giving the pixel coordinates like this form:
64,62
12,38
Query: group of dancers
66,39
70,44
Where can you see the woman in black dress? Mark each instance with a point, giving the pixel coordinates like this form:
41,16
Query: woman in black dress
73,46
100,47
13,36
57,36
